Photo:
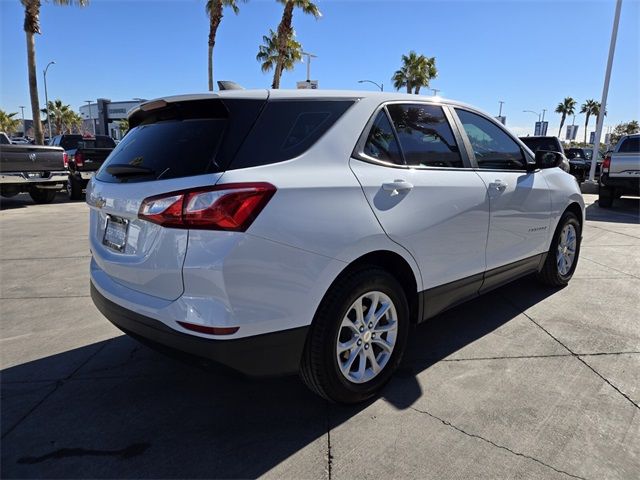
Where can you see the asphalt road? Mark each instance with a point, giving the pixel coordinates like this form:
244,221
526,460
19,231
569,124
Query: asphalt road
525,382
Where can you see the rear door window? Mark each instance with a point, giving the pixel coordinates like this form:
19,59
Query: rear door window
425,136
288,128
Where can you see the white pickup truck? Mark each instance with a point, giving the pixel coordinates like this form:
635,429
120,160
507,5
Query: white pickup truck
620,173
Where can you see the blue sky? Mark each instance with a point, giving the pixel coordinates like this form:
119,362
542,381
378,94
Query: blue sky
530,54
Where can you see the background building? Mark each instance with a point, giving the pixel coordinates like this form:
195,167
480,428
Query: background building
103,116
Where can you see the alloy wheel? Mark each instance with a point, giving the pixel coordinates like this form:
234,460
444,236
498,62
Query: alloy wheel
366,337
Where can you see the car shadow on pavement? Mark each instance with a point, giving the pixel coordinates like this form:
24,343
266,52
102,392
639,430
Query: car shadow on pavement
118,409
23,200
624,210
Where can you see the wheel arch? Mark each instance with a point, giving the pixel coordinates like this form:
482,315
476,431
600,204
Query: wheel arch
575,208
396,265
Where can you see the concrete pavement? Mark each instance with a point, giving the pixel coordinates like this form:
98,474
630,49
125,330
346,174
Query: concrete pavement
524,382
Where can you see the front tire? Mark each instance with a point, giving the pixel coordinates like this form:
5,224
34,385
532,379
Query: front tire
357,337
42,195
562,258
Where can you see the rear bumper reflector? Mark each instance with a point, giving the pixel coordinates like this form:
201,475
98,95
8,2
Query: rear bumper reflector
209,330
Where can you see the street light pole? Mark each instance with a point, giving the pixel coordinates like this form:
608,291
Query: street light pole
309,57
93,125
24,126
435,91
535,113
544,110
500,112
380,86
46,97
605,92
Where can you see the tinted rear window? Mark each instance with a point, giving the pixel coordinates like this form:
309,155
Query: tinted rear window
286,129
631,144
98,142
193,138
171,149
69,142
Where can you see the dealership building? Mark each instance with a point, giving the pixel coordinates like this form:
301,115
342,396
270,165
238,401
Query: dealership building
103,116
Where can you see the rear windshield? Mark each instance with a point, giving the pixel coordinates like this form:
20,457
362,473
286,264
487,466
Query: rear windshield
98,142
631,144
184,140
71,142
548,144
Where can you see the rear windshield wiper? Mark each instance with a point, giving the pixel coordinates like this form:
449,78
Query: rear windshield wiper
126,170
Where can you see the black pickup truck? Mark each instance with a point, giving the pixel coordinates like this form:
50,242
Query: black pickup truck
83,156
36,170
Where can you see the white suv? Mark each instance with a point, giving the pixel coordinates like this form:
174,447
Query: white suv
307,231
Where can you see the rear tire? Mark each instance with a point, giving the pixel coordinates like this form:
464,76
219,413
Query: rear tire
605,197
340,377
566,241
42,195
74,188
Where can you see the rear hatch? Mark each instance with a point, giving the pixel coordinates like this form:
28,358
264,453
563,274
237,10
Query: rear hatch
172,145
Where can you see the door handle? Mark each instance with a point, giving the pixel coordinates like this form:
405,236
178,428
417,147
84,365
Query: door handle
397,186
499,185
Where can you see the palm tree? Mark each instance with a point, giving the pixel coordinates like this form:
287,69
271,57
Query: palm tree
8,124
71,121
123,125
59,112
268,52
565,107
416,72
285,32
31,27
214,12
590,107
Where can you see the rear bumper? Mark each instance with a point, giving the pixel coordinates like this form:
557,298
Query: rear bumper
276,353
30,178
624,185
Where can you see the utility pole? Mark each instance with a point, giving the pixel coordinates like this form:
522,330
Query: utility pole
46,96
605,92
500,112
544,110
24,126
435,91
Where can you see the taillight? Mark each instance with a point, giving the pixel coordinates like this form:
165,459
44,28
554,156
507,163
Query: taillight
232,206
606,163
65,159
78,158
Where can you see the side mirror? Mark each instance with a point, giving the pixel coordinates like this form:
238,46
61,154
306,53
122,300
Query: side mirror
547,159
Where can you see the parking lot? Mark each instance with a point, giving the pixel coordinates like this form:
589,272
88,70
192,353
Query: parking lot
525,382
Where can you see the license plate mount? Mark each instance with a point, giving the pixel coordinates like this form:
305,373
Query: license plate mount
115,233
